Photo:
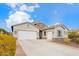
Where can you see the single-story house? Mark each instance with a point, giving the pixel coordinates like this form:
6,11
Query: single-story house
38,30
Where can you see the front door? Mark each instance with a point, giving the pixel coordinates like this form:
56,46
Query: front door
40,34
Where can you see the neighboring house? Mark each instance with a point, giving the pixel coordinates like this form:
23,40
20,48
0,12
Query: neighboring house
38,30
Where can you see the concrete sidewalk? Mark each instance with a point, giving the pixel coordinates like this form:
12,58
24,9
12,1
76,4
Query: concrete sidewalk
19,50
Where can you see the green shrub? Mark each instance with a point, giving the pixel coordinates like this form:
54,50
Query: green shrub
73,36
77,40
7,45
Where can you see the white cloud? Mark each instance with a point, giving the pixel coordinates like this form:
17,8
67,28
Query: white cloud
28,8
18,17
18,14
31,8
13,5
23,7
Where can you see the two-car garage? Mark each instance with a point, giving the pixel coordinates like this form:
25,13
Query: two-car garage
27,35
25,31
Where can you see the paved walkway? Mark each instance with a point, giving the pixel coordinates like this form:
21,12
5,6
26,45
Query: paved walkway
45,48
19,50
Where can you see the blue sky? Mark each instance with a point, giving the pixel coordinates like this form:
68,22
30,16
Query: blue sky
47,13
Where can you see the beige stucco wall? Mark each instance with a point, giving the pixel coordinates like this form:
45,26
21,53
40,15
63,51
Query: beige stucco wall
43,36
54,32
23,27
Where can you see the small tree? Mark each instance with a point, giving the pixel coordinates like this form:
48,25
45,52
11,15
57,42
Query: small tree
72,36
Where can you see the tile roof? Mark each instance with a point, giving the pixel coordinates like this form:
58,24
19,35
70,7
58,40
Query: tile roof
56,25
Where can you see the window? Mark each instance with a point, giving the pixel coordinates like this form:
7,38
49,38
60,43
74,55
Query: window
59,33
44,33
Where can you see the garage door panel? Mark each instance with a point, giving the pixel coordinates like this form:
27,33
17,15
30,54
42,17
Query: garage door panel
27,35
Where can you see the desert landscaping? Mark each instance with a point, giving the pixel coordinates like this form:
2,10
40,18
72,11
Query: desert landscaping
72,40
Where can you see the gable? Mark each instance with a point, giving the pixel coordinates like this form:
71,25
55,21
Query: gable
57,27
40,26
62,27
25,26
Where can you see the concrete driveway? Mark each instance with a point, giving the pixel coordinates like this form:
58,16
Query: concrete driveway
45,48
